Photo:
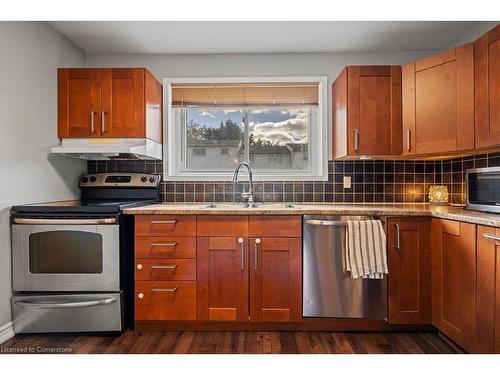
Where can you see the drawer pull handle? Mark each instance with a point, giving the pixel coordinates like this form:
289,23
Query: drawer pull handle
491,236
256,250
92,127
165,267
241,241
398,238
103,122
170,290
356,140
139,266
171,244
163,221
140,296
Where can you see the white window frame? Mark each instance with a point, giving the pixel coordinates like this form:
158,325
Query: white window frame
317,141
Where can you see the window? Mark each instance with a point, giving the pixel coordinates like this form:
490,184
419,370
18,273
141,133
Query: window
277,126
199,151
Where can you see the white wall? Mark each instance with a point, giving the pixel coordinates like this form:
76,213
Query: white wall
241,65
30,54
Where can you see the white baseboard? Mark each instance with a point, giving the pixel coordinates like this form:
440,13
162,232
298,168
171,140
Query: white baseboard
6,332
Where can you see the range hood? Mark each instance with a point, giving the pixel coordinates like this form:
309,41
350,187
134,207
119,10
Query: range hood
109,148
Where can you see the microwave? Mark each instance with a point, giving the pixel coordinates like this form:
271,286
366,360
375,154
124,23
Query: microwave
483,189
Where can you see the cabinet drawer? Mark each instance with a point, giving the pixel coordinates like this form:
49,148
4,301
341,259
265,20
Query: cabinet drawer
165,269
275,226
222,225
165,300
164,225
165,247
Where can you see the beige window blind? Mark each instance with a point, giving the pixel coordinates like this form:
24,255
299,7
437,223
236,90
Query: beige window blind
245,94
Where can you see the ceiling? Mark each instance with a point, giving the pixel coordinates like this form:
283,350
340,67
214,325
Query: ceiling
176,37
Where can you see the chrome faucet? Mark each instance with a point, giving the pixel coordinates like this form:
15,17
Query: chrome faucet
247,195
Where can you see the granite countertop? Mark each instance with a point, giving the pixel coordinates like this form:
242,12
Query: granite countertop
444,212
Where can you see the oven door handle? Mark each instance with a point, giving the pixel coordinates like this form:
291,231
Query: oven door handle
106,220
67,305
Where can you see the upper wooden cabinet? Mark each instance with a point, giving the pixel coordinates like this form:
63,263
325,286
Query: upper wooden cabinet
367,111
453,278
79,102
109,103
487,89
408,248
438,103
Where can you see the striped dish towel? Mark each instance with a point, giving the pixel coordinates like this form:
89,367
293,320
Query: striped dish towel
366,254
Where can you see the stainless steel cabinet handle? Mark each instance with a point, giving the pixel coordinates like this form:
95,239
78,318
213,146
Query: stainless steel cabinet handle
164,244
335,223
408,139
163,221
66,305
165,267
242,243
491,236
326,222
92,127
103,122
256,250
170,290
356,139
398,238
108,220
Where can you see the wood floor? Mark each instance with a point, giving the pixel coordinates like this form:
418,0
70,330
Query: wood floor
232,342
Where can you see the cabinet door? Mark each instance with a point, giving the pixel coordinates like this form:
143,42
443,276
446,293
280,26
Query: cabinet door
408,111
487,89
79,103
222,278
123,104
275,279
409,271
444,101
488,274
374,110
454,280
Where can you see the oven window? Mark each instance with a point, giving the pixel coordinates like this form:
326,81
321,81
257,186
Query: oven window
65,252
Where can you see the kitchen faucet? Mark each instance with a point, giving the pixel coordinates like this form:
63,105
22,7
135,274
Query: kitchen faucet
247,195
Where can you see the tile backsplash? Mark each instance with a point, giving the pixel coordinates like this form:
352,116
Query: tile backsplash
379,181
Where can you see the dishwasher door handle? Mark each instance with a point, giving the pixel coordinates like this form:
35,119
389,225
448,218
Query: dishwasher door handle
334,223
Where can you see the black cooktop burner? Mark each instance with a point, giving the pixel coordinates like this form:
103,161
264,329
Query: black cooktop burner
80,207
100,195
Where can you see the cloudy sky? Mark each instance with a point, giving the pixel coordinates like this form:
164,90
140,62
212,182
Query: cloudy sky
283,125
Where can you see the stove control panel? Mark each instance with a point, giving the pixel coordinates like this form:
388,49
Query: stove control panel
126,180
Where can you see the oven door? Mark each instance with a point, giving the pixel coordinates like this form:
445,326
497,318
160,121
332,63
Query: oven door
61,255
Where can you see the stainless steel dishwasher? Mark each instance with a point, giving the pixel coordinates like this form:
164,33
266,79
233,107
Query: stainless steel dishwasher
329,290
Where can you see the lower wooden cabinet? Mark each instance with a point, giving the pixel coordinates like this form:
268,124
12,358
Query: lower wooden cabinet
222,266
454,280
253,278
275,279
243,279
487,339
408,249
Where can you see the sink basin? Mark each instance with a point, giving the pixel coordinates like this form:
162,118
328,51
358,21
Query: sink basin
207,206
229,206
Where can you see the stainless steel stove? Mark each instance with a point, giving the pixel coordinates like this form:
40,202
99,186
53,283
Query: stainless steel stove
72,260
